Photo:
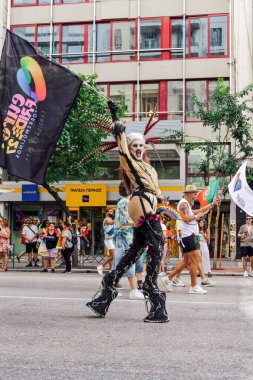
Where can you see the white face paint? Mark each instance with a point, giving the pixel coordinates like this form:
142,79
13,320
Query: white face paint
137,149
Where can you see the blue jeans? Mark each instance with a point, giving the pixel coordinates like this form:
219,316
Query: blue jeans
121,246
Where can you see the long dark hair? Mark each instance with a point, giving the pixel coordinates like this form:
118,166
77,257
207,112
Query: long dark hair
204,225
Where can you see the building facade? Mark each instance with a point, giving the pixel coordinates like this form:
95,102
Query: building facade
151,55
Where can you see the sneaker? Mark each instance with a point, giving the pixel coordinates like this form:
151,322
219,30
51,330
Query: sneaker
197,290
167,283
29,265
245,274
162,274
100,270
69,272
52,270
136,295
251,273
44,270
36,264
177,282
208,282
119,286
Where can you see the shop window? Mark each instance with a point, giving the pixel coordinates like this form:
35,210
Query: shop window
175,100
150,38
72,43
218,35
26,32
123,39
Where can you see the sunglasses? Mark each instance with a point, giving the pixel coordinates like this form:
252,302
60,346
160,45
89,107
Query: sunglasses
248,218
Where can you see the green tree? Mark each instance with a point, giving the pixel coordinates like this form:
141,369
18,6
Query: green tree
77,140
229,116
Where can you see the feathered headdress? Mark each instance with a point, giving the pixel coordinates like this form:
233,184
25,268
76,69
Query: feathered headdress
105,124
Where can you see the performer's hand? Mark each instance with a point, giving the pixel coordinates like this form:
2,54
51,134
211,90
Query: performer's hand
118,128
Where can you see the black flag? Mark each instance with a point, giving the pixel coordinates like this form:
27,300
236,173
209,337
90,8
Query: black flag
36,96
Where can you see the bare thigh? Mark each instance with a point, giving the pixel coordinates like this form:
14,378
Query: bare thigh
135,209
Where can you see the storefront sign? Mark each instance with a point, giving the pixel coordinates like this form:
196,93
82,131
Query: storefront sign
30,192
86,195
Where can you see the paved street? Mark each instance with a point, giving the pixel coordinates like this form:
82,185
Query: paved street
47,333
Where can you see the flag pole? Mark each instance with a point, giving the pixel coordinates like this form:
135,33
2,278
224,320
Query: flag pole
221,238
96,91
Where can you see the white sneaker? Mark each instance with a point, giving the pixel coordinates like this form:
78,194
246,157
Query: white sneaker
177,282
100,270
136,295
245,274
162,274
208,282
197,290
167,283
251,273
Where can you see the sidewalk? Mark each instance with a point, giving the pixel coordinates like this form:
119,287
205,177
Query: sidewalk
228,267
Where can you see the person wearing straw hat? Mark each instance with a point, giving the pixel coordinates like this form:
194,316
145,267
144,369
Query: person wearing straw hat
190,240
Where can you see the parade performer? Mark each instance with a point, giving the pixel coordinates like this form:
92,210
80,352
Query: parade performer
142,182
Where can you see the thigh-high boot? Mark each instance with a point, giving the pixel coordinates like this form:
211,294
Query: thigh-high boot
100,305
157,298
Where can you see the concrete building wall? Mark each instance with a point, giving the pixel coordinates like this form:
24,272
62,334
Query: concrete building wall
243,43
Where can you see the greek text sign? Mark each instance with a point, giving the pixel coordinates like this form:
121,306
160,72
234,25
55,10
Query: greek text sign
86,195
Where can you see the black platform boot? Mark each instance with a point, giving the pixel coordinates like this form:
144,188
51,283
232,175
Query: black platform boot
157,313
100,305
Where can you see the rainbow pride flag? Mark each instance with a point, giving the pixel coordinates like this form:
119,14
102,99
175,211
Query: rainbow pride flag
206,196
172,212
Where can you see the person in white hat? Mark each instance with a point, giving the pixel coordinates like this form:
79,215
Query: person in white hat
189,230
142,183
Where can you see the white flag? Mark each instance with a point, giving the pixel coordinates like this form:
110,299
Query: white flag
240,191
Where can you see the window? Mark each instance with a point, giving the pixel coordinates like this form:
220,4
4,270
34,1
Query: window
123,39
150,38
124,94
26,32
168,169
197,88
205,36
42,2
44,40
102,42
198,37
218,35
72,43
148,99
175,100
24,2
177,38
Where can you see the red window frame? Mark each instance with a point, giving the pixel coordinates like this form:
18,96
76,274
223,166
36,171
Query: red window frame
188,20
13,5
210,174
